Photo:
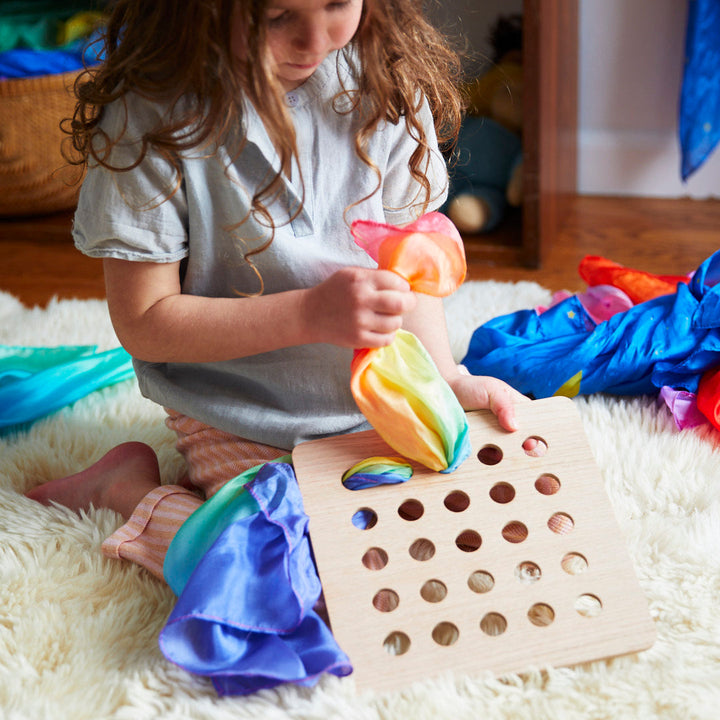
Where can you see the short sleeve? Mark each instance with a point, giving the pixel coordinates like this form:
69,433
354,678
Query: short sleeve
134,214
403,196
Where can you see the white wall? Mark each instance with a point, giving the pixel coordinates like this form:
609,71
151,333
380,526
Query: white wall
631,62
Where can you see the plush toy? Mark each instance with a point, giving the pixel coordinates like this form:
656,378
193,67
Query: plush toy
486,170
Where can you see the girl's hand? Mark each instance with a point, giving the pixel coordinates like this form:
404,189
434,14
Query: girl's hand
480,393
357,308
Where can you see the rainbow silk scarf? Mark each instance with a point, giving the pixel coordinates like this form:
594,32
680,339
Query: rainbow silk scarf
398,387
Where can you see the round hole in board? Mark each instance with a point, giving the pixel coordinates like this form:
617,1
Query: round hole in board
502,493
386,600
490,455
422,549
468,541
411,510
433,591
588,605
396,643
445,634
375,558
493,624
515,532
574,563
541,615
535,446
481,581
547,484
457,501
365,518
561,523
528,572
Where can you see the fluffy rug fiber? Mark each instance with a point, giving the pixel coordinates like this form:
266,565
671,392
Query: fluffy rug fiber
78,632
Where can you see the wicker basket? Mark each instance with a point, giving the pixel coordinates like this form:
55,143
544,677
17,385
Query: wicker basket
34,177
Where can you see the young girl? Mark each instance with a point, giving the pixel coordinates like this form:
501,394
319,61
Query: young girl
229,144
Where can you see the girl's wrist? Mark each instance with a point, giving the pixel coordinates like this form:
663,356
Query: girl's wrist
457,373
457,382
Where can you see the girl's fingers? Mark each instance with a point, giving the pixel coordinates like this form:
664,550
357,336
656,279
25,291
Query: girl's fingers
488,393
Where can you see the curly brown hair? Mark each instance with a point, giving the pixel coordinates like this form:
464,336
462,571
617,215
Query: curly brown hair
181,53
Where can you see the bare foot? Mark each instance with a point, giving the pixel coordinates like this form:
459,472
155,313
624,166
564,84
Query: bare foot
119,480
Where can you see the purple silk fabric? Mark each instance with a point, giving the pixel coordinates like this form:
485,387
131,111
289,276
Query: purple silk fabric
683,406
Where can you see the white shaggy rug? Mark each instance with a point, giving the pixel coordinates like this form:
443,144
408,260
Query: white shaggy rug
78,632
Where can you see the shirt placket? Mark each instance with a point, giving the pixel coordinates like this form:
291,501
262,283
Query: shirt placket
299,194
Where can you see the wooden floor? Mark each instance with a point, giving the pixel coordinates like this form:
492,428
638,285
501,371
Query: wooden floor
38,260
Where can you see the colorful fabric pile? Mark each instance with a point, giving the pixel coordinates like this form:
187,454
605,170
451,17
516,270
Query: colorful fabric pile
46,37
665,342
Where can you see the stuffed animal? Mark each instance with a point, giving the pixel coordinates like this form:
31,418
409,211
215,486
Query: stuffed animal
486,168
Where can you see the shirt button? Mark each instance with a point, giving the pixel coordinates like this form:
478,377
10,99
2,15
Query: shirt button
292,99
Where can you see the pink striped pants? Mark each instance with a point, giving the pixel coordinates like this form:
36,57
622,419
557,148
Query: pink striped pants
213,458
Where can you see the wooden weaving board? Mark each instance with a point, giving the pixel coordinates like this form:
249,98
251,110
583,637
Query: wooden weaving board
527,568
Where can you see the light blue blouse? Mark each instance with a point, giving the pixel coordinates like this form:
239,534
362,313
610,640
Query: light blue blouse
287,396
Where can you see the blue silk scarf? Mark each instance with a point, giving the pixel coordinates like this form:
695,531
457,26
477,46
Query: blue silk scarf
36,381
699,122
669,341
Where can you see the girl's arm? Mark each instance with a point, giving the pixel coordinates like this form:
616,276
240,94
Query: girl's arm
355,307
427,322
